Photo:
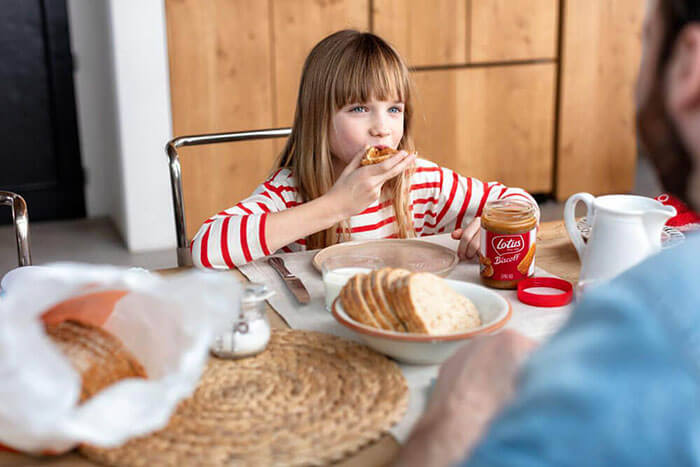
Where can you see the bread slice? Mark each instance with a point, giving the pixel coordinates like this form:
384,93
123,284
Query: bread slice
354,303
389,282
376,279
377,154
403,307
347,302
98,356
430,306
371,302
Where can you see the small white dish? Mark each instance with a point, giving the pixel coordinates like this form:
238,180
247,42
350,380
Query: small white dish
422,349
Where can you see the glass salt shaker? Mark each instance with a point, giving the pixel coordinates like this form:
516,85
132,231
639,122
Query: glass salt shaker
250,331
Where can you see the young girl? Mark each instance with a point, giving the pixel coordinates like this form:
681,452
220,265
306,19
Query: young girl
355,93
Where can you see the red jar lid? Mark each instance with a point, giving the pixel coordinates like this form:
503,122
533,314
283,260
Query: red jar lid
545,300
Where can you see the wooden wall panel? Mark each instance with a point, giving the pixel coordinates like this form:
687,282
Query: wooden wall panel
221,80
513,29
424,32
493,123
600,57
236,64
297,26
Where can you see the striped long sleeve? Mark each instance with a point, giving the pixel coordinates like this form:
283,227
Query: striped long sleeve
236,235
441,200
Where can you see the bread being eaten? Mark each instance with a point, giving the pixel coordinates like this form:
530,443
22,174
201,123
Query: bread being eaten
377,154
98,356
402,301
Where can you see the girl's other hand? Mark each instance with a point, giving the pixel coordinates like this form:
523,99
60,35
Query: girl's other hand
469,239
358,187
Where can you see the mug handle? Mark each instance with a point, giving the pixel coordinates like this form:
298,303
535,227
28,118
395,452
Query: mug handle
570,219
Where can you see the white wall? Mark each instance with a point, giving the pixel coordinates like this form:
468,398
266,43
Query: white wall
123,91
91,44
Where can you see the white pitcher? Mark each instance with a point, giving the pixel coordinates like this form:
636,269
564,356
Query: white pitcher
625,229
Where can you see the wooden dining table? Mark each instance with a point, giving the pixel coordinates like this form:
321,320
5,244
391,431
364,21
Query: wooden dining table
555,254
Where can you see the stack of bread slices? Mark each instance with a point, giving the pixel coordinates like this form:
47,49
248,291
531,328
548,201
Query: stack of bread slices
399,300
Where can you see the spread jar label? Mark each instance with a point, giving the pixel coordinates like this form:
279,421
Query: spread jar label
507,257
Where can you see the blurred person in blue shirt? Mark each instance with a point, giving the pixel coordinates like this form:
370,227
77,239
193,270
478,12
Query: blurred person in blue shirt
619,384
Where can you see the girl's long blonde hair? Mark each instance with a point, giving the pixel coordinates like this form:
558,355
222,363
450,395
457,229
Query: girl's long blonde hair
344,68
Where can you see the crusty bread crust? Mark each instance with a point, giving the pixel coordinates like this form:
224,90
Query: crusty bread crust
346,300
98,356
406,310
389,283
372,305
358,302
376,279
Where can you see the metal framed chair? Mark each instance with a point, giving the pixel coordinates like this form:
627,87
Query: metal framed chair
184,257
21,221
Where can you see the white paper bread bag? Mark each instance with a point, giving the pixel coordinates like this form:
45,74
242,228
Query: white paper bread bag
166,323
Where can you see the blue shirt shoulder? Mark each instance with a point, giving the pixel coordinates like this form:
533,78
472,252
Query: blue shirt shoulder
619,384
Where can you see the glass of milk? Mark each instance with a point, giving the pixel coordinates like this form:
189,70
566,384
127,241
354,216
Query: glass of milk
337,270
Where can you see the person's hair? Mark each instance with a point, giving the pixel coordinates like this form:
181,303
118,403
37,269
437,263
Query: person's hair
344,68
675,16
672,158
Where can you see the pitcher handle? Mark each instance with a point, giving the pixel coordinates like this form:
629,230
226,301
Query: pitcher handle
570,219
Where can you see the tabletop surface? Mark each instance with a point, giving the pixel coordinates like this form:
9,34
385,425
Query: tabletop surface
555,254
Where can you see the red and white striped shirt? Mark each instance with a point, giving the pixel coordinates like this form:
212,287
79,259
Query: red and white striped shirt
441,201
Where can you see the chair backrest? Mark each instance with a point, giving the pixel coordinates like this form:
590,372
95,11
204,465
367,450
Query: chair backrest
184,257
21,220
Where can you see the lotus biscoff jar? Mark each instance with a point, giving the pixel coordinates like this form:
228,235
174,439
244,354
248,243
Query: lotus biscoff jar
508,235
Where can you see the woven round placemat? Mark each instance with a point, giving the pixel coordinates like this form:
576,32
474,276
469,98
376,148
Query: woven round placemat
308,399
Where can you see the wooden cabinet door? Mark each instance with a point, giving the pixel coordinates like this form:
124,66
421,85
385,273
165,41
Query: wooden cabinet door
221,80
298,25
457,32
424,32
492,123
503,30
236,65
600,57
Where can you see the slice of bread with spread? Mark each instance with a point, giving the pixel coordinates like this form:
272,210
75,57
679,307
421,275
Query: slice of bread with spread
98,356
377,154
398,300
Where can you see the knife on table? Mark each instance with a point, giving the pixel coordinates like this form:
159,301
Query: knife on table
294,284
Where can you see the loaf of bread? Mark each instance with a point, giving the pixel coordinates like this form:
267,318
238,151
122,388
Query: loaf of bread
377,154
98,356
398,300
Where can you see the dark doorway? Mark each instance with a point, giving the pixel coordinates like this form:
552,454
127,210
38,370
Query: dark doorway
39,150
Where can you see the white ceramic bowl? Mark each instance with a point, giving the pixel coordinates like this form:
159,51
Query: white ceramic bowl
422,349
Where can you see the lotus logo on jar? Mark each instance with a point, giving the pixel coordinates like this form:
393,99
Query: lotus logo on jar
507,244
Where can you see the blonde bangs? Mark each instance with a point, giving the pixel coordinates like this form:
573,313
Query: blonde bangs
370,70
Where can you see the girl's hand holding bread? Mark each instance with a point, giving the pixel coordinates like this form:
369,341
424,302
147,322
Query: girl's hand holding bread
360,186
356,188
